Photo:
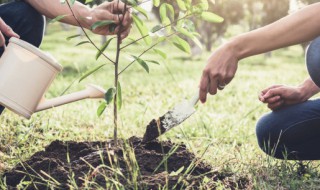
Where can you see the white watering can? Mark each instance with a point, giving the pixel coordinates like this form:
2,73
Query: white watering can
26,72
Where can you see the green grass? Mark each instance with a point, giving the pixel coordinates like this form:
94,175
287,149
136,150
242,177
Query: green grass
227,121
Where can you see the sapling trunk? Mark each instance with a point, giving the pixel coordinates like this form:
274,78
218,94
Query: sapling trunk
117,95
116,80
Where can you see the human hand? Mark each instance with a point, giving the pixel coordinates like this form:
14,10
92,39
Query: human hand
116,11
278,96
6,30
219,71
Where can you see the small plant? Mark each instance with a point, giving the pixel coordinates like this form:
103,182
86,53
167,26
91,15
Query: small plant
176,28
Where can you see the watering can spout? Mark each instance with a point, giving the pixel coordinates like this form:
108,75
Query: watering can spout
92,91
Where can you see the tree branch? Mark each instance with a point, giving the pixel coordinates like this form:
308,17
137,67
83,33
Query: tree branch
155,31
145,51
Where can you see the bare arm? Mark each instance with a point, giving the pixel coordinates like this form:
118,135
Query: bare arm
87,16
302,26
54,8
221,67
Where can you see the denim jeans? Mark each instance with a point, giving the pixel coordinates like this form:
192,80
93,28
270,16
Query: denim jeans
294,132
25,21
291,133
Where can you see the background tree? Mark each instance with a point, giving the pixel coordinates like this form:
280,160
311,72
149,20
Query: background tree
231,10
273,10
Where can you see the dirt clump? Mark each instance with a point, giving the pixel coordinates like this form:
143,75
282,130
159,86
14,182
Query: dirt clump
132,164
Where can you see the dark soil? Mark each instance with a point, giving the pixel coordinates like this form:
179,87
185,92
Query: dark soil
134,164
154,129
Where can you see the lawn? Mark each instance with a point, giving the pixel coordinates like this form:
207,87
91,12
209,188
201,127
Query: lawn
223,128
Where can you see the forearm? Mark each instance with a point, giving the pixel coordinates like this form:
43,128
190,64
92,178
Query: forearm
308,88
296,28
56,8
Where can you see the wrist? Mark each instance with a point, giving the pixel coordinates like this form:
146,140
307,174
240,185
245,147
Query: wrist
303,93
83,15
307,89
237,45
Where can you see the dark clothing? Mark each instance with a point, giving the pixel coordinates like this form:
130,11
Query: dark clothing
291,133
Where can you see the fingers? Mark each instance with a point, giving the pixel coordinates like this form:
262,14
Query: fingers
271,87
274,102
271,93
6,30
203,87
273,99
127,21
276,105
2,40
119,13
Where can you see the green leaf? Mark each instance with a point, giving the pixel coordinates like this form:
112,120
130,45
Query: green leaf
152,61
74,36
166,21
204,5
191,36
156,3
156,28
101,23
176,173
58,18
161,53
197,42
142,11
185,32
181,44
141,62
211,17
101,108
103,48
83,42
181,5
142,29
161,38
171,10
72,1
108,96
163,12
88,73
119,96
131,2
88,1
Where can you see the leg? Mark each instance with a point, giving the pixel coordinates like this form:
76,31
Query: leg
292,132
25,21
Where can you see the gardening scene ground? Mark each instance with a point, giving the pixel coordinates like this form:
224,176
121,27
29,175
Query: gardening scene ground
70,147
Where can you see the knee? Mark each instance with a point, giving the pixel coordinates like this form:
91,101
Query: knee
268,136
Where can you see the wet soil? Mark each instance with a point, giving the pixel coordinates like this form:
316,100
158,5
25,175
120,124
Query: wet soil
132,164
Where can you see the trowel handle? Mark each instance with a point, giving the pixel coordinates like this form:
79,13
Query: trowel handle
194,99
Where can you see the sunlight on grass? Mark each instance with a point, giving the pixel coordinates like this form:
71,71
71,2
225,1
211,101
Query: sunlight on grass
226,122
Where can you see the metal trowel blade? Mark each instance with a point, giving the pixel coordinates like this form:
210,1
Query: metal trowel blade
172,118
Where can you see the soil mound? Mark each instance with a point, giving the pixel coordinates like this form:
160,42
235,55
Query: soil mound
132,164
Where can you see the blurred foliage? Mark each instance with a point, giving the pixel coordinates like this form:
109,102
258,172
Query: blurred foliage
231,10
274,10
309,1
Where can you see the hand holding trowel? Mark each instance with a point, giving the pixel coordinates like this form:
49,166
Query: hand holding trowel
171,119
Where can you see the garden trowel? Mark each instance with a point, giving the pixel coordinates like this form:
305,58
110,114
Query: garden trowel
171,119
